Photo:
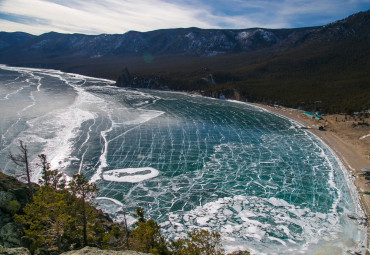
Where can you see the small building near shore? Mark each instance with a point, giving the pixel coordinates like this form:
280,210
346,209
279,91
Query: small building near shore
312,115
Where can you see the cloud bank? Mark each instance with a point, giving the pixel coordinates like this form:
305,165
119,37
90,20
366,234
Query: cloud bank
120,16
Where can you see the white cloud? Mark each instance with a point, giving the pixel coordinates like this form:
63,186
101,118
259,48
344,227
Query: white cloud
105,16
9,26
119,16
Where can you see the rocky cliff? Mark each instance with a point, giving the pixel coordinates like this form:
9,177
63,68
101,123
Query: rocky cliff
14,251
86,250
14,195
96,251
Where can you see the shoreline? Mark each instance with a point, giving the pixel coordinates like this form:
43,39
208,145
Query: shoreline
349,148
344,147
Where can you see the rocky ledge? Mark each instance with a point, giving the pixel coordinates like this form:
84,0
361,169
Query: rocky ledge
86,250
96,251
14,195
14,251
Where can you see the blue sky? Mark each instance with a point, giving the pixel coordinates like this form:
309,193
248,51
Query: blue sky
120,16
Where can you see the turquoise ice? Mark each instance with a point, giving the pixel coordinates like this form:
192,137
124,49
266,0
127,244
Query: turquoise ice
191,162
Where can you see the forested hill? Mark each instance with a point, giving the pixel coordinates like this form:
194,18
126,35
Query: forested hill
316,68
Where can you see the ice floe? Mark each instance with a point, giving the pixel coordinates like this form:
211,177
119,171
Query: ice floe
257,221
132,175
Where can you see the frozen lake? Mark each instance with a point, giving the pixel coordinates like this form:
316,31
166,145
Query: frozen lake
190,162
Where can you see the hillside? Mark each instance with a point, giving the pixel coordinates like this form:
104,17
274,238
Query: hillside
318,68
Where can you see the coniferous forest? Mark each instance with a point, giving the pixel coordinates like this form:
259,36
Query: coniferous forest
316,68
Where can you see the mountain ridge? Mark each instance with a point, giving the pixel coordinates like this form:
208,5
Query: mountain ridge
176,41
187,41
293,67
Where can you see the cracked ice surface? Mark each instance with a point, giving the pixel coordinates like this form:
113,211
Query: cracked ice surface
190,162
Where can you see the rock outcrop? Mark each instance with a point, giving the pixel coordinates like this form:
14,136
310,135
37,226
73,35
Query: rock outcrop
96,251
126,79
86,250
14,251
14,195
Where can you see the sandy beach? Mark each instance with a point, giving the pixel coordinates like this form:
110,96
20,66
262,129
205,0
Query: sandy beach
348,139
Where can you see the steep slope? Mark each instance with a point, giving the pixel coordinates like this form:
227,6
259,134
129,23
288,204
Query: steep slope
8,40
294,67
14,195
19,48
189,41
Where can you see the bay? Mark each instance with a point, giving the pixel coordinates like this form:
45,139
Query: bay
189,161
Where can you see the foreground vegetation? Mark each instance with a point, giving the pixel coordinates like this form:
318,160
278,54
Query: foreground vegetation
63,217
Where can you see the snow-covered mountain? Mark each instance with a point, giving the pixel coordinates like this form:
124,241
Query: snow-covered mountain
294,67
187,41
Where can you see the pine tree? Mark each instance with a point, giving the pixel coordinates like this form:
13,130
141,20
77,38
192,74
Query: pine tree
199,242
49,177
59,216
147,238
146,235
139,215
46,218
85,192
22,160
45,165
